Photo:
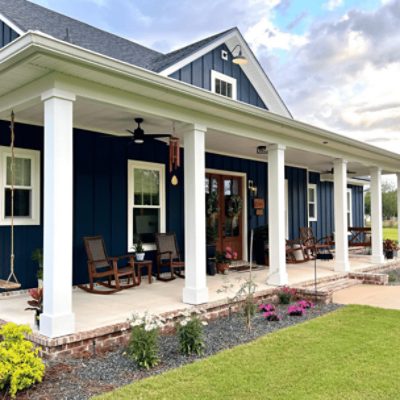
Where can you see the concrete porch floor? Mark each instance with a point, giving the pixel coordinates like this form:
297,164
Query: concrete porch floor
95,311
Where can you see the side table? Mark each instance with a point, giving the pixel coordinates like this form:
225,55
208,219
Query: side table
144,264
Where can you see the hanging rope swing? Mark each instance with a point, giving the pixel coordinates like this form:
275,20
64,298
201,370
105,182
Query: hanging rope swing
12,282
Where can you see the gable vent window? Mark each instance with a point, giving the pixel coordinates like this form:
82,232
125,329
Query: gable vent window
223,85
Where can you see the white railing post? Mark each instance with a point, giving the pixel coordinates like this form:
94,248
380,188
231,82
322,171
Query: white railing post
376,215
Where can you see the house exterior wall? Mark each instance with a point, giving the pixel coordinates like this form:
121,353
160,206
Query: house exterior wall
7,35
100,196
198,73
325,210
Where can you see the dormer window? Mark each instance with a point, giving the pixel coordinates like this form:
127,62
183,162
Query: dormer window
223,85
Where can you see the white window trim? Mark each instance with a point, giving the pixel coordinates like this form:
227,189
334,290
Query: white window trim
226,78
315,202
34,156
349,209
132,164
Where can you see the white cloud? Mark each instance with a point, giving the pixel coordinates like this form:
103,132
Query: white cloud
332,4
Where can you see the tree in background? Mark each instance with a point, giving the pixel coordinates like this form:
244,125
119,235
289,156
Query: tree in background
389,201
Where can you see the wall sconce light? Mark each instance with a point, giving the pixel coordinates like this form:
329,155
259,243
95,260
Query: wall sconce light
252,188
239,59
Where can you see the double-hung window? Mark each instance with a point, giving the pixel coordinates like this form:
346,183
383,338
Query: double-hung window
26,186
223,85
312,202
146,202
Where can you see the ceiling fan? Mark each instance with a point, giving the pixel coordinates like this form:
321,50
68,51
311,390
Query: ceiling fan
139,136
331,171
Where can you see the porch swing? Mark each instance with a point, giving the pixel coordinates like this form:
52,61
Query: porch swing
12,282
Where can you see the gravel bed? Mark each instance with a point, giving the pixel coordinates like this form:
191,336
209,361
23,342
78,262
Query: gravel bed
79,379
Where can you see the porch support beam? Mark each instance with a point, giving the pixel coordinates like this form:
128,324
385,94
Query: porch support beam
195,290
340,202
57,318
276,216
376,215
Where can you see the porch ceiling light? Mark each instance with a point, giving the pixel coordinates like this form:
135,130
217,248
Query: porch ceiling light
239,59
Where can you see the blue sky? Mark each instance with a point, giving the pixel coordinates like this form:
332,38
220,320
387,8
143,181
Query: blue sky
336,63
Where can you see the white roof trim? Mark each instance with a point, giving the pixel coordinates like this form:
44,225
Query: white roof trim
252,69
11,24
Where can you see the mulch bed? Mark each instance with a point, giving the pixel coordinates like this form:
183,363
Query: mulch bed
81,379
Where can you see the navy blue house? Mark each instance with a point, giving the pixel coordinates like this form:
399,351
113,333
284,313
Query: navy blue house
100,159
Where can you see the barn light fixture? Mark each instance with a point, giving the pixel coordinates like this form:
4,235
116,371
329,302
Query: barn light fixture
239,59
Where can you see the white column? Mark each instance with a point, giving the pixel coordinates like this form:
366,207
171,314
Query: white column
376,215
340,203
276,215
398,207
195,290
57,318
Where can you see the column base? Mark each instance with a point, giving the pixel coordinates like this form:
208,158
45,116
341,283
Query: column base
378,259
54,326
278,278
342,266
195,296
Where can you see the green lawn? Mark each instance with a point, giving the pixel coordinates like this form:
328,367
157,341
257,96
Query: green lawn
352,353
390,233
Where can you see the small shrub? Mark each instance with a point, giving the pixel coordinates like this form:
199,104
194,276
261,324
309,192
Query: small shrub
392,276
266,307
271,316
296,310
286,294
305,304
143,344
190,333
20,365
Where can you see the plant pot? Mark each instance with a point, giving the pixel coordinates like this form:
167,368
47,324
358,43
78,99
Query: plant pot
222,268
37,319
40,283
140,256
389,254
210,263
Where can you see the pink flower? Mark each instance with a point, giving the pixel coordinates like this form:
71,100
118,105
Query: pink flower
235,255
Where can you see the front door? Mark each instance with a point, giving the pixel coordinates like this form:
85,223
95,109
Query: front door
224,209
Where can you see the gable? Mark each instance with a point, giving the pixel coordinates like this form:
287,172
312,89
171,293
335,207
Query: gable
198,73
7,34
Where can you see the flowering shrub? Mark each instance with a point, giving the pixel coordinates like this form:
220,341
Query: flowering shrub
143,344
20,364
305,304
296,310
190,332
271,316
286,294
266,307
227,256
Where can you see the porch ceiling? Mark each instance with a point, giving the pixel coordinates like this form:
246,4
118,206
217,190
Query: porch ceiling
97,117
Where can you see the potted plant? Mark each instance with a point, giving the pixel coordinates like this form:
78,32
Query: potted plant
224,259
259,245
211,231
139,250
36,304
389,246
37,256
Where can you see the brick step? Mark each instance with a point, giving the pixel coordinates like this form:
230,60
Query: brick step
324,280
339,285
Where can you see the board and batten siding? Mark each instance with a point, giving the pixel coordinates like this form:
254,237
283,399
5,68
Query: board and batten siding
7,34
198,73
325,225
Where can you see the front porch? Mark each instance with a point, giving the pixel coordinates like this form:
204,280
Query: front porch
93,312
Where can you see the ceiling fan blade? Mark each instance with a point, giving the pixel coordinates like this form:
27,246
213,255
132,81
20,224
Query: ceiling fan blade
133,133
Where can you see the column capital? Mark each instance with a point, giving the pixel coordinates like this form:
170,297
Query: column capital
375,169
276,146
184,128
59,94
339,161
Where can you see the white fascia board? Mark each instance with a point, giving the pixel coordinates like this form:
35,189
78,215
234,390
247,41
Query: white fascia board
11,24
291,132
252,69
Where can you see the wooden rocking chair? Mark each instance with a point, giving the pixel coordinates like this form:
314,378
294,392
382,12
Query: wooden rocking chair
314,248
168,256
104,270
